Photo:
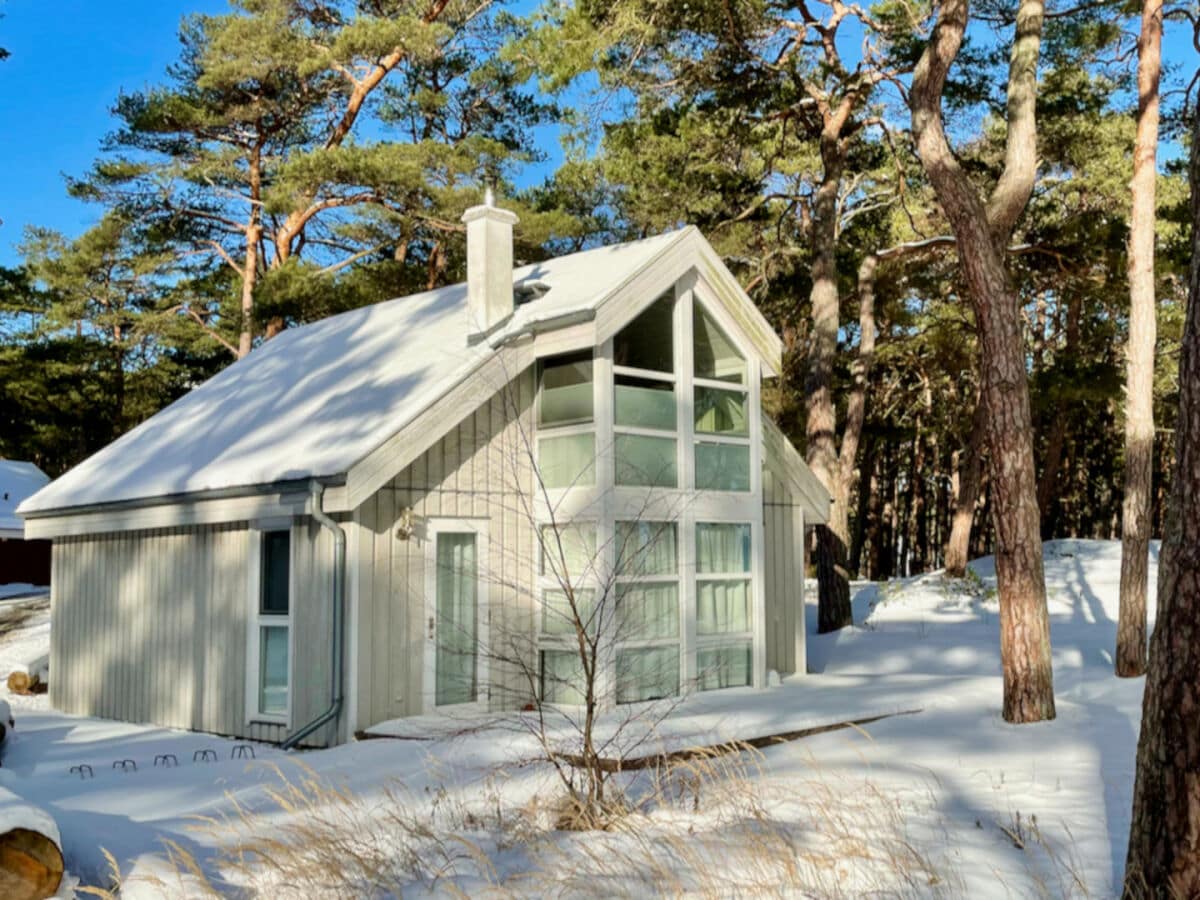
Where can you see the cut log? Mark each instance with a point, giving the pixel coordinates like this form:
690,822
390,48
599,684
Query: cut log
22,682
31,860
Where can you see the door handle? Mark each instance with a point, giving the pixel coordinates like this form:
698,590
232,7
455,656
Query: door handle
431,628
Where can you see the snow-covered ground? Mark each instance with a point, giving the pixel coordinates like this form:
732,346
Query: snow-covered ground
944,800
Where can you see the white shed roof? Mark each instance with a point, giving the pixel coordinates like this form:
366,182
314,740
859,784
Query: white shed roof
317,399
18,480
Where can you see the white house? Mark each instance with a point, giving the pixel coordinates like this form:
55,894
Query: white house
297,547
21,561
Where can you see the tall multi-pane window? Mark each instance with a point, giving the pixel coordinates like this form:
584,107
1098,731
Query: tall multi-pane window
567,437
647,611
273,623
722,415
567,579
644,404
724,605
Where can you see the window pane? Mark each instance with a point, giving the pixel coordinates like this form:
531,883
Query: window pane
562,677
273,670
722,667
715,356
647,342
647,673
722,607
566,395
275,562
557,616
722,467
722,547
648,611
721,412
457,618
646,461
568,461
646,548
645,403
571,552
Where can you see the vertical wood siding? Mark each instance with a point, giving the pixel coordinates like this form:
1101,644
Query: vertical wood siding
478,470
152,626
783,519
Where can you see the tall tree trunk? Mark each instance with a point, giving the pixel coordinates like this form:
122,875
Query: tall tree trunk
1139,390
1049,488
250,263
1164,834
867,486
982,232
833,586
968,474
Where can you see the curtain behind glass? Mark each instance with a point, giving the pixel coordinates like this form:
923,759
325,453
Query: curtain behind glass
457,605
722,547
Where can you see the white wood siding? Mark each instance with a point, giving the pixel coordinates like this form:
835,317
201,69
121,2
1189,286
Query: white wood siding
479,469
783,518
151,626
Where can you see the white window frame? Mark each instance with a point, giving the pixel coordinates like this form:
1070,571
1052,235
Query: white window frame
257,620
606,502
433,528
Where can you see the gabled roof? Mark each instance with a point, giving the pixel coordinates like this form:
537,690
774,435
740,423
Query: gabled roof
18,480
317,399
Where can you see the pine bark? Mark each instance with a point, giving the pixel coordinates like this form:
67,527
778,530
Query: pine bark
1164,834
966,498
833,585
982,232
1139,384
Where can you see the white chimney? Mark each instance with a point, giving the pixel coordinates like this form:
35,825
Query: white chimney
489,264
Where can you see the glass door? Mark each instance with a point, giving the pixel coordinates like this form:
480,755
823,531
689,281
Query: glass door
455,674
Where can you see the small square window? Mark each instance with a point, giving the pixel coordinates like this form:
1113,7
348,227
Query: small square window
645,461
562,677
567,461
722,467
566,390
644,403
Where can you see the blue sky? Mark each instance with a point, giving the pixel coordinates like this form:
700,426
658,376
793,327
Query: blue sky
69,61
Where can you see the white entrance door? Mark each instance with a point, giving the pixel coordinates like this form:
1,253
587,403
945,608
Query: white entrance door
456,614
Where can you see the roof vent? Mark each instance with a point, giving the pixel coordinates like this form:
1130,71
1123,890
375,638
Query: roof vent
528,291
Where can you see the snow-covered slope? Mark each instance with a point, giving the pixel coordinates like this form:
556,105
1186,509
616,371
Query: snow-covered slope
948,801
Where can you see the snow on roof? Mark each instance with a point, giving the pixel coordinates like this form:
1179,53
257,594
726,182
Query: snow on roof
18,480
316,399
